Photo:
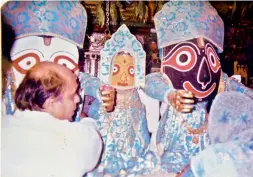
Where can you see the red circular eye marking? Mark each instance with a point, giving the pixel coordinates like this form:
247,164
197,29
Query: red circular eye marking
213,59
131,71
116,69
66,61
183,59
25,60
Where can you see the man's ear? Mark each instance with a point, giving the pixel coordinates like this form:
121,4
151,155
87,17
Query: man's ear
201,42
50,105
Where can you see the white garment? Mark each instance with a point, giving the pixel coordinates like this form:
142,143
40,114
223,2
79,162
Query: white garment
35,144
152,110
3,107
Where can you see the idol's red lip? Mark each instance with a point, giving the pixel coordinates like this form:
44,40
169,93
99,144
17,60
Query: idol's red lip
122,84
198,94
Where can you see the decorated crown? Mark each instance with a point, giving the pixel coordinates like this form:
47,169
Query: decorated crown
64,19
123,41
184,20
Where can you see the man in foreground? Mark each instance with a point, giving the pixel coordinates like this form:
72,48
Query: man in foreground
39,139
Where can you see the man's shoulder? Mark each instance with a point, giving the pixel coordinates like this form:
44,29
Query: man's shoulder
83,127
9,121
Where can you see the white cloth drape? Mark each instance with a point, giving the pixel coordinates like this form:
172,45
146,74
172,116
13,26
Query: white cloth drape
37,144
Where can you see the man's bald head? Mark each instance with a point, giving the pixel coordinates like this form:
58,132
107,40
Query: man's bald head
44,68
45,80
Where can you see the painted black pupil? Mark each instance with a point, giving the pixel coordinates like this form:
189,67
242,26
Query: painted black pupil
183,58
212,58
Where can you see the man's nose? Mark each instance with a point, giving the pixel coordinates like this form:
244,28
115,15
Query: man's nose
77,98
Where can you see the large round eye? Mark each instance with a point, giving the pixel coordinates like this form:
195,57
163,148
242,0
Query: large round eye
213,58
25,62
183,58
66,61
116,69
131,71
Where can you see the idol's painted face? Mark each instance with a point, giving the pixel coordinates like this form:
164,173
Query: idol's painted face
123,71
193,67
28,51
